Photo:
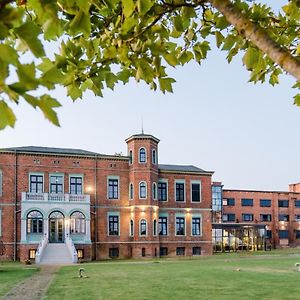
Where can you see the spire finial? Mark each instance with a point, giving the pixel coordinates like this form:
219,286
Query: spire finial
142,126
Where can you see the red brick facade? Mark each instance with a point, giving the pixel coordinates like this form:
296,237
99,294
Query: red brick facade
98,172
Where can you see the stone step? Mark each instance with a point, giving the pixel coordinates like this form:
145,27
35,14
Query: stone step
56,254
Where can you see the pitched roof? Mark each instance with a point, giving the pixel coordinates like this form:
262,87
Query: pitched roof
142,136
35,149
181,168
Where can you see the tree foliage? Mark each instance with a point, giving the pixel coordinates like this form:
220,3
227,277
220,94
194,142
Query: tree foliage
103,42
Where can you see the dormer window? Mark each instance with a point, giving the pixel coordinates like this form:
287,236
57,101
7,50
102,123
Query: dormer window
142,155
154,157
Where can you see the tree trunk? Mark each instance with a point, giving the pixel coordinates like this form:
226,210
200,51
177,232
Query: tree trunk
258,37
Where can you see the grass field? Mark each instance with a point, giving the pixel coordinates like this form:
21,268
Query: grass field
228,276
12,273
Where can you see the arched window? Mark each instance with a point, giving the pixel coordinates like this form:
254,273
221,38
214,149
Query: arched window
130,157
142,155
154,191
154,227
143,227
130,191
131,229
77,225
154,157
143,190
35,222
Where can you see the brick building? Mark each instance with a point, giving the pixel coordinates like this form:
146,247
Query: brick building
99,206
251,218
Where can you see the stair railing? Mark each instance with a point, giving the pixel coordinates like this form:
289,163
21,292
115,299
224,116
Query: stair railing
39,252
72,249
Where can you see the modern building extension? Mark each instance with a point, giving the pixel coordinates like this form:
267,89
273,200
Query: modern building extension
66,204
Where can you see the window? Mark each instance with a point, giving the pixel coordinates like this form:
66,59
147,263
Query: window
113,225
143,190
265,218
163,251
154,157
80,253
143,227
142,155
297,234
154,191
0,222
180,251
216,198
154,227
297,218
229,202
297,202
163,225
1,183
36,183
179,187
180,226
130,157
283,203
283,217
196,250
35,222
131,229
76,185
77,223
32,253
247,217
265,203
143,252
196,226
247,202
269,234
229,218
283,234
113,188
56,184
196,192
130,191
113,252
162,191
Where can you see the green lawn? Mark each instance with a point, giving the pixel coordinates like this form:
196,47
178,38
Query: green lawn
12,273
225,276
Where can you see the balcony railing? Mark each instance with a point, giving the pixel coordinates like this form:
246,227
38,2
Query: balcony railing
55,197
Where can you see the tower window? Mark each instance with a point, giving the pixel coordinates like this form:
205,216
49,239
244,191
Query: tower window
142,155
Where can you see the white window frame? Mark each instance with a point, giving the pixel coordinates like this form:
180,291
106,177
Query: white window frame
78,176
200,190
63,180
154,162
107,187
154,195
140,227
200,217
184,191
129,194
131,234
163,180
113,214
144,162
180,216
163,215
144,198
36,174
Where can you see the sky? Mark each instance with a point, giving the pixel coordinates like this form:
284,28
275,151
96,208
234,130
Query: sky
247,134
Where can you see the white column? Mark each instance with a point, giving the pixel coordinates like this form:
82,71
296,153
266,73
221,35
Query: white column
67,227
46,228
23,230
88,230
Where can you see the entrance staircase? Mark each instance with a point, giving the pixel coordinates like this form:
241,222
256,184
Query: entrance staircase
56,253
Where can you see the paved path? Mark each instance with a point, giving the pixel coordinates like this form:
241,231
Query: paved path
34,287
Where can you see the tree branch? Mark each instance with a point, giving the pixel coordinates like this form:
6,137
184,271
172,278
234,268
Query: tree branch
259,37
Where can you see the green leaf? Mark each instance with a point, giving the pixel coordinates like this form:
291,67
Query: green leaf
171,59
144,6
28,33
219,38
165,84
124,75
74,91
81,24
251,58
178,23
128,7
46,104
26,74
229,41
297,100
7,117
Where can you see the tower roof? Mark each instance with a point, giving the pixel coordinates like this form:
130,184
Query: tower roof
142,136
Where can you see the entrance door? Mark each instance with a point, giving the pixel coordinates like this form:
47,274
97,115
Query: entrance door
56,227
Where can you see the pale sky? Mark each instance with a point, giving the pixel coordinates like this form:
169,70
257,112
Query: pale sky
248,134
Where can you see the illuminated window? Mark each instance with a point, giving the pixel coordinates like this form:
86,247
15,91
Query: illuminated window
80,253
35,222
77,225
32,253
